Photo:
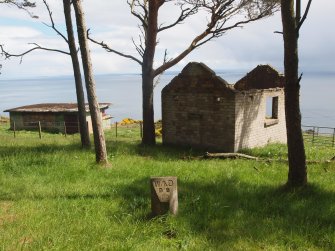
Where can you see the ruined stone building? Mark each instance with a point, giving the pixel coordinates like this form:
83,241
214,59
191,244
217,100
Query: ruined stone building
200,109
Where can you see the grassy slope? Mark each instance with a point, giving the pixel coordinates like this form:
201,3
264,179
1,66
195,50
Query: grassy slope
53,196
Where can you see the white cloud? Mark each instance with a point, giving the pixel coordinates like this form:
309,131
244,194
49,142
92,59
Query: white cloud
112,22
17,32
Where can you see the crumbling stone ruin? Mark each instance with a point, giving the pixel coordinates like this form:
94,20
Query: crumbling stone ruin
201,110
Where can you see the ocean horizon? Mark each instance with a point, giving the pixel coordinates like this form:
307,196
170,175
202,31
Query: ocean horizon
124,91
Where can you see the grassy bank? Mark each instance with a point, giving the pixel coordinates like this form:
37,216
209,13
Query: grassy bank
54,197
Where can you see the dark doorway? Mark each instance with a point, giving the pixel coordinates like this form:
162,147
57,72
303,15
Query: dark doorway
71,123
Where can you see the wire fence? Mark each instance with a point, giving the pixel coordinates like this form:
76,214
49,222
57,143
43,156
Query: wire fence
317,135
116,129
125,130
45,126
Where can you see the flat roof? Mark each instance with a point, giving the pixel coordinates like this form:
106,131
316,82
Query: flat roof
54,107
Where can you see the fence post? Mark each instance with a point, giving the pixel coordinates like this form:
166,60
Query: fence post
115,129
313,135
141,129
14,129
39,129
334,138
65,129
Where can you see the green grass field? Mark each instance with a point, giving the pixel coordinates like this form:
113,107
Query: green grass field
54,197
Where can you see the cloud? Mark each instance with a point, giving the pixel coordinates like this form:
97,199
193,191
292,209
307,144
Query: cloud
112,22
17,32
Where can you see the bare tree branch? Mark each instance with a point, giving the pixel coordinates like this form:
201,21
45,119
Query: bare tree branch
8,55
220,12
139,48
304,16
185,13
219,15
143,17
53,23
22,5
158,79
109,49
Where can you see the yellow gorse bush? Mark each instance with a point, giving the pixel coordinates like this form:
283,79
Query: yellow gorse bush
129,121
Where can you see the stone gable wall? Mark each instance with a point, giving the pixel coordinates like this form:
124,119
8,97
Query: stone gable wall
252,128
200,120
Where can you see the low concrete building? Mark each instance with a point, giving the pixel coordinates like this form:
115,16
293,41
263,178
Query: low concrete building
53,117
200,109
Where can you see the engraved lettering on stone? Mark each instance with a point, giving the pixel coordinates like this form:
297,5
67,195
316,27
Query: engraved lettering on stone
163,189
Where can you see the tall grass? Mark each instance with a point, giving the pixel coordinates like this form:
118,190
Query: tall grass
54,197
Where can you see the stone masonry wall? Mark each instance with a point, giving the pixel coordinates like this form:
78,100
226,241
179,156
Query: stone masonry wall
199,109
252,127
203,121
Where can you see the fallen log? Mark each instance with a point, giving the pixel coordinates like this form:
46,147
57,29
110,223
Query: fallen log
208,155
229,156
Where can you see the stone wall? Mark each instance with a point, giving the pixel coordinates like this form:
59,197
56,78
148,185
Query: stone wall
208,123
202,110
253,129
198,110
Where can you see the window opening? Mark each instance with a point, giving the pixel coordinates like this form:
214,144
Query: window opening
271,111
271,108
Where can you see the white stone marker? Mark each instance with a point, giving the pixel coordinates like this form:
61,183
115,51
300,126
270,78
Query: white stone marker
164,195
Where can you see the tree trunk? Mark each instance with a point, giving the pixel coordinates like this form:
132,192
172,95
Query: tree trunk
98,133
84,134
297,175
149,137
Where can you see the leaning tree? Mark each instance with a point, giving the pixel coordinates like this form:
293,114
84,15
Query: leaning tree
73,52
222,16
98,132
84,133
292,22
99,139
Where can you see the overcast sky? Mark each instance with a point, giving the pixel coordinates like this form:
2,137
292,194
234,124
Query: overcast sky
238,50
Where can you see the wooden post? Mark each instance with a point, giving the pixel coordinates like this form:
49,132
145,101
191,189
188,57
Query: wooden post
141,129
164,195
39,129
115,129
313,135
64,128
334,138
14,129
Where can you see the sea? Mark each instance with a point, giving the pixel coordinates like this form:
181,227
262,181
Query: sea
123,91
